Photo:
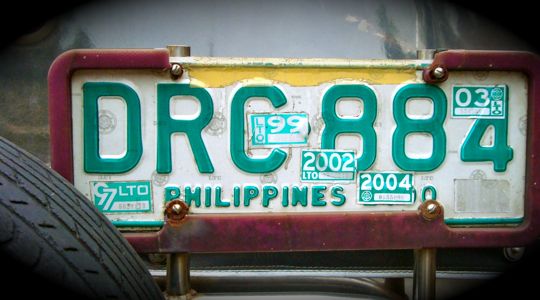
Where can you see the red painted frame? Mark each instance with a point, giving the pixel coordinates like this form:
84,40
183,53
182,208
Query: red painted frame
61,135
308,232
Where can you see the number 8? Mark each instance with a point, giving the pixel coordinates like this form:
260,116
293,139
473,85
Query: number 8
363,125
406,125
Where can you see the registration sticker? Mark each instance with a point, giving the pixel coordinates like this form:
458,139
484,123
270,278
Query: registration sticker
328,165
122,196
386,188
279,129
479,101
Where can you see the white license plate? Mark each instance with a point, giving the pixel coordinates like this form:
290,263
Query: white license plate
300,136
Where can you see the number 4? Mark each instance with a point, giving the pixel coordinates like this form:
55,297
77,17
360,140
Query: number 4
500,153
405,183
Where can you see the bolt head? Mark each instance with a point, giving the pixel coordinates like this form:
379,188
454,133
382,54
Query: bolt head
175,212
431,208
514,254
176,69
439,72
177,208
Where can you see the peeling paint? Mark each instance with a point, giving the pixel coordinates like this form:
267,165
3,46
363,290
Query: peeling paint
211,72
217,76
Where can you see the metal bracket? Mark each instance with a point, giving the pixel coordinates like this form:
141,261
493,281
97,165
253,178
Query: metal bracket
424,277
178,278
424,274
178,281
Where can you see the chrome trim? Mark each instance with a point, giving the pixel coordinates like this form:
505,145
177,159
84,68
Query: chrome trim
330,273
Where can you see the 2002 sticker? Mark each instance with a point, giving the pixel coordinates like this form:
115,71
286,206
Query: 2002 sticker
327,165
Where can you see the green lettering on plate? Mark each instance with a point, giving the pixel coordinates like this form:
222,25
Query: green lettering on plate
317,195
193,196
299,195
245,163
337,192
269,192
250,192
166,126
432,126
363,125
93,162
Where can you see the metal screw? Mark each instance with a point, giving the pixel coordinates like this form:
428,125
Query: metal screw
177,208
176,70
176,212
513,254
431,208
439,72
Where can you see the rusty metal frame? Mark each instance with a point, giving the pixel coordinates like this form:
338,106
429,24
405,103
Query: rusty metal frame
60,125
313,231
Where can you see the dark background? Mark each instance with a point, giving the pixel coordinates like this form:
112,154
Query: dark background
518,16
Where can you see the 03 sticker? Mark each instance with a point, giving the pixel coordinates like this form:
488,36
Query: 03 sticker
479,101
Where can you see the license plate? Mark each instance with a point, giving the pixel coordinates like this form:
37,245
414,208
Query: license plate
249,136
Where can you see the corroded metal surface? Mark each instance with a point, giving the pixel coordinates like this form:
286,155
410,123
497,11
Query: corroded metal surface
175,212
431,210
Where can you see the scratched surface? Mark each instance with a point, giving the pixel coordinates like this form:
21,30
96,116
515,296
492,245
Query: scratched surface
305,99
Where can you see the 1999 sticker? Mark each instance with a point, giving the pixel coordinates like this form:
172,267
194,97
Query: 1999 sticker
279,129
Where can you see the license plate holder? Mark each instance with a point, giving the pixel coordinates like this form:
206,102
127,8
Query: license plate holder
389,229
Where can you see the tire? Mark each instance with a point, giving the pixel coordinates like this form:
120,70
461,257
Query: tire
51,229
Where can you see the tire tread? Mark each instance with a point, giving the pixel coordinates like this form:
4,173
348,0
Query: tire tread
68,229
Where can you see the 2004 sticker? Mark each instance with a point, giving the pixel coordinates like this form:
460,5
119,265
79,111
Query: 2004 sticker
386,188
